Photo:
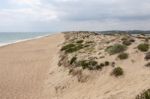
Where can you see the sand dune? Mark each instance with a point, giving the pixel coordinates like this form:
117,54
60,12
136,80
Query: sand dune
29,70
100,84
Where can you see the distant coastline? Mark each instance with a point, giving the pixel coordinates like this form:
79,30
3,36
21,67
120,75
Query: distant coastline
8,42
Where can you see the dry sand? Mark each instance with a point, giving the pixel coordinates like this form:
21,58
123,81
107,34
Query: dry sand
28,70
24,67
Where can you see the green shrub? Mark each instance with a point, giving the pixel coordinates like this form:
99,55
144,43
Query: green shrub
124,38
90,42
143,47
80,41
102,64
132,40
144,95
117,48
148,64
84,64
92,63
88,64
98,67
106,63
123,56
118,71
127,42
68,46
147,40
72,48
73,59
147,56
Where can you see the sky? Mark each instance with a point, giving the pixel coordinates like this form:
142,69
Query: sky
73,15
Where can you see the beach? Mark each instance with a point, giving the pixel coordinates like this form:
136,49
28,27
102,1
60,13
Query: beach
24,67
30,70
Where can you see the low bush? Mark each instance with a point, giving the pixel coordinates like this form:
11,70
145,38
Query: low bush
80,41
146,40
68,46
148,64
102,64
147,56
98,67
118,71
117,48
106,63
72,48
144,95
75,72
73,59
83,63
88,64
90,42
143,47
123,56
127,42
132,40
124,38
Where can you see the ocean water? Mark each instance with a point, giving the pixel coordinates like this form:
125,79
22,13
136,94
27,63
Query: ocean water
8,37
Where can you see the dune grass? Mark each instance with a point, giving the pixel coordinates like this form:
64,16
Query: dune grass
116,48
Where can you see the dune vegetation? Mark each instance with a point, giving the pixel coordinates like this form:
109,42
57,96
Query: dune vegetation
90,51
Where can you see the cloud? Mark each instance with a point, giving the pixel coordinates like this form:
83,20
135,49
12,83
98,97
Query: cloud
32,3
77,14
104,9
33,10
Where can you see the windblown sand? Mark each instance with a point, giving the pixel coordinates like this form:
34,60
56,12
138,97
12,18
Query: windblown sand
29,70
24,67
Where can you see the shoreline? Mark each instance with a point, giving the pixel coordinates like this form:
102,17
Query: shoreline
24,40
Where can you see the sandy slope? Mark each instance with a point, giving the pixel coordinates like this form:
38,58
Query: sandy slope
24,67
100,85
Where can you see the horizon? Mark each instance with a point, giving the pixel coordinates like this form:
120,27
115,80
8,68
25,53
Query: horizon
74,15
73,31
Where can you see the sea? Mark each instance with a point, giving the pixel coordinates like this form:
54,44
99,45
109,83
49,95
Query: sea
14,37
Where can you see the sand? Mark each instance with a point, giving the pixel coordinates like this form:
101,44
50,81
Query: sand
24,67
29,70
100,84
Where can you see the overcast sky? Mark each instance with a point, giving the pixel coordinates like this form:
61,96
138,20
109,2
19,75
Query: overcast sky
67,15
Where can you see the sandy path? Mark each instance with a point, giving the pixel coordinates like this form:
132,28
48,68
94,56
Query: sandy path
24,67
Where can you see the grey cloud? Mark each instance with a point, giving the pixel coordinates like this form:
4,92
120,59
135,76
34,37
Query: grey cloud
64,15
103,10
